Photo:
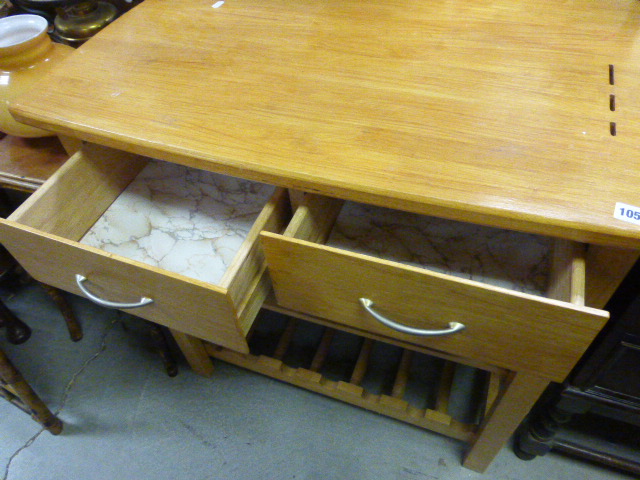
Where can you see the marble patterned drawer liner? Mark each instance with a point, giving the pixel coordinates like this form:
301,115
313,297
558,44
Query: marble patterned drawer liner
180,219
503,258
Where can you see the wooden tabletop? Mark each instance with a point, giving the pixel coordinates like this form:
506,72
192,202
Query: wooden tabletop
26,163
523,115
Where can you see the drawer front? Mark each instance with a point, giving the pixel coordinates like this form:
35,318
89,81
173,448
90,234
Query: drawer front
186,305
509,329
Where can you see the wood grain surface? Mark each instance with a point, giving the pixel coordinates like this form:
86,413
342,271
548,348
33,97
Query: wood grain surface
189,306
495,112
26,163
509,329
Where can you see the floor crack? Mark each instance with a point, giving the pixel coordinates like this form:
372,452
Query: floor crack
65,396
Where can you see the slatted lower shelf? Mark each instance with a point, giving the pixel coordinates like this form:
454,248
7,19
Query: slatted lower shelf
271,356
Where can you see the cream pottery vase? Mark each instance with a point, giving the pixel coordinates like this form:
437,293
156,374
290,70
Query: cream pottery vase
26,54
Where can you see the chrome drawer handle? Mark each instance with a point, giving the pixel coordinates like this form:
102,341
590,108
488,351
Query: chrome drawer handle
80,279
453,326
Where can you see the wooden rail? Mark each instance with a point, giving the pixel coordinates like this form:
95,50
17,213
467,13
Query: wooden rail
395,402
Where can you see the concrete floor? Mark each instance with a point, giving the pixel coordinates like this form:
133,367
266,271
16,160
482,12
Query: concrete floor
125,418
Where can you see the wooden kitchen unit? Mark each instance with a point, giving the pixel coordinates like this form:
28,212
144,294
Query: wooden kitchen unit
469,120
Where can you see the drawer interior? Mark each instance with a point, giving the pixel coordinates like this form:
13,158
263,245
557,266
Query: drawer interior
75,197
182,220
179,219
516,261
513,260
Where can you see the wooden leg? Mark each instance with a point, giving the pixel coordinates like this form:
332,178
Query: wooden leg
162,346
195,353
15,389
75,331
520,394
536,436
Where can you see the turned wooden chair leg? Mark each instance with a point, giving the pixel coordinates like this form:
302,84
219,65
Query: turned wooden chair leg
14,388
17,331
75,330
162,346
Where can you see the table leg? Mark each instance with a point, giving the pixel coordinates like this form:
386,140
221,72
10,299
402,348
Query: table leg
75,330
164,350
520,394
194,351
536,436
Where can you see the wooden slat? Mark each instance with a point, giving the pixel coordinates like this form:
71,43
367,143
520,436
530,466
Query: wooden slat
347,392
402,374
322,351
285,339
444,387
360,369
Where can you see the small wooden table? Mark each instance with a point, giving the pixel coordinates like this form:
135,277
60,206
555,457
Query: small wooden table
519,116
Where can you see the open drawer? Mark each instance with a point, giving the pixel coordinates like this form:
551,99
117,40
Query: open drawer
466,317
66,234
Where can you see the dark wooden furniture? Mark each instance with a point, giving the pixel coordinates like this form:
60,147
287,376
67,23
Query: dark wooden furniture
606,382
